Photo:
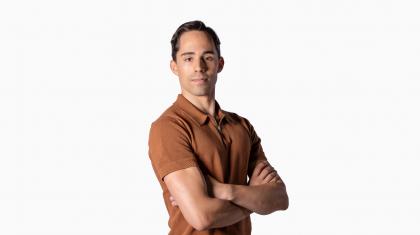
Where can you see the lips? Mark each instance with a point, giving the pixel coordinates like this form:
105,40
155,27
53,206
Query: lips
199,80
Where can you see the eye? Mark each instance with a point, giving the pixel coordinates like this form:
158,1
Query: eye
188,59
209,58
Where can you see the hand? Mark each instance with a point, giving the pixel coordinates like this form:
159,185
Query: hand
217,189
172,199
264,173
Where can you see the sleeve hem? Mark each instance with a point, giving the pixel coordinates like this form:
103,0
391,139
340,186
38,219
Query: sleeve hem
175,166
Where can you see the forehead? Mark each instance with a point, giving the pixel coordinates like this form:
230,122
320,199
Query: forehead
195,40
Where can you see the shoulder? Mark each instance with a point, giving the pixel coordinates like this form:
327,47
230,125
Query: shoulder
236,118
171,121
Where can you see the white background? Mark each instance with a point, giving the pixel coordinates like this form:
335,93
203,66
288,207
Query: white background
332,88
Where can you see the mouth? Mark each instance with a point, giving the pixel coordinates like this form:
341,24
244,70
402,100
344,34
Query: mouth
199,80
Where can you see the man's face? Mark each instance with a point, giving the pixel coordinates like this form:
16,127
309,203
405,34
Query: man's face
197,64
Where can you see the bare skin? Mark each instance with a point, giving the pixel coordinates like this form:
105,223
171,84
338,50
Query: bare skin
263,173
262,195
197,65
188,187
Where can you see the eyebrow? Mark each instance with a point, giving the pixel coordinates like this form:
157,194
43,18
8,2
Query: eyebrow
192,53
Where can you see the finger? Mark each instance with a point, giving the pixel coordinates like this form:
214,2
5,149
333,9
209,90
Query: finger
266,171
275,179
270,176
260,166
280,182
172,200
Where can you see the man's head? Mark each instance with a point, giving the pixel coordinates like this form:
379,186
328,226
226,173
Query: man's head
196,58
193,26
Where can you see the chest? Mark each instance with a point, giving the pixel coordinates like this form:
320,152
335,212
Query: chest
223,151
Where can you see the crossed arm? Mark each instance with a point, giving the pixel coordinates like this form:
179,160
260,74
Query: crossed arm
207,203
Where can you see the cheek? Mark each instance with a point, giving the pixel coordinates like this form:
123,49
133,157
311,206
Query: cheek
213,66
183,73
184,69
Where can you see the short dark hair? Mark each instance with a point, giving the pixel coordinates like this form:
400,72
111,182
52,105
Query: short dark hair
195,25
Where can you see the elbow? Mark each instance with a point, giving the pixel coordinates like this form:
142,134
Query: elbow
199,226
283,199
200,214
198,219
281,203
278,202
200,223
284,203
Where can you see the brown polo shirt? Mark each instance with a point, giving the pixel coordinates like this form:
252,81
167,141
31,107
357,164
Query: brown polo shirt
227,149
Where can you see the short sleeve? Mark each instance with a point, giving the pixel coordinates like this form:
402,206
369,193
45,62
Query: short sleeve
257,152
170,147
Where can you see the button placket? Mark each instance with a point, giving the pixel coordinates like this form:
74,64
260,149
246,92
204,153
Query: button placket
219,129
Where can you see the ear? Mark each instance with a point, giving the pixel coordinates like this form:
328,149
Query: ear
221,64
174,67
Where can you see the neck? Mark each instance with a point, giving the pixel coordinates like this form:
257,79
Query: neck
206,104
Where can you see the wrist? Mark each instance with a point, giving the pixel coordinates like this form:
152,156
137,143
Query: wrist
229,192
224,191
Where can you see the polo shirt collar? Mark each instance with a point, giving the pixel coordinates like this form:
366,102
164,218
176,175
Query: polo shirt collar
198,115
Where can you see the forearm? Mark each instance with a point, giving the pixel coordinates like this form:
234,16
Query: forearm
262,199
221,213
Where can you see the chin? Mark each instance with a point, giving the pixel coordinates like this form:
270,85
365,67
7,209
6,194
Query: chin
200,92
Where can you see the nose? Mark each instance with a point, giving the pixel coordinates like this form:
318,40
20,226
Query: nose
200,65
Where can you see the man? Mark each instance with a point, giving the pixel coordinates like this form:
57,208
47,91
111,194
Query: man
203,155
